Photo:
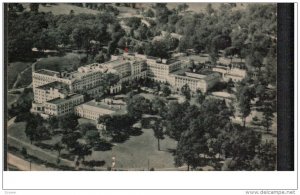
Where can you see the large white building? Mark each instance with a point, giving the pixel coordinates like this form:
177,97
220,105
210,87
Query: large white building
203,80
57,93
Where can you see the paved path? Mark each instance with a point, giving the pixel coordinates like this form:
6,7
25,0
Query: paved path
24,165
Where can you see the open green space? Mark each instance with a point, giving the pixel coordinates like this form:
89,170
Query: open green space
17,130
135,152
13,69
60,63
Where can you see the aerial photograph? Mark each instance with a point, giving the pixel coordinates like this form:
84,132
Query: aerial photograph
140,86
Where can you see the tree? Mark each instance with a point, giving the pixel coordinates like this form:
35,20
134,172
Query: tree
149,13
84,127
186,91
182,7
82,150
34,7
244,97
166,90
137,106
68,122
209,9
200,97
70,139
99,58
159,106
158,132
133,22
265,158
267,115
174,119
19,7
239,147
35,129
187,151
58,147
161,13
53,122
92,136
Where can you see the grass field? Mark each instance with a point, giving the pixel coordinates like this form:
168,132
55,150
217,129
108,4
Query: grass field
58,63
13,69
12,98
17,130
135,152
201,7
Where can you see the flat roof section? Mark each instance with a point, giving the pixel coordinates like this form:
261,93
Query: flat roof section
95,106
55,85
48,72
60,100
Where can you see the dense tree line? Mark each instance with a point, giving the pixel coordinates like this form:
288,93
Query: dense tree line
47,31
202,140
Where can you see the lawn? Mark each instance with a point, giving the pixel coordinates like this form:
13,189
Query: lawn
13,69
58,63
201,7
137,151
25,78
12,98
17,130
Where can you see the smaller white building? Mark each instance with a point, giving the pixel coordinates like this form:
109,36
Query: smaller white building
94,109
234,73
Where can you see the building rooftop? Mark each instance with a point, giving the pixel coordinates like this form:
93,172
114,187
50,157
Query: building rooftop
95,106
60,100
116,62
202,74
55,85
48,72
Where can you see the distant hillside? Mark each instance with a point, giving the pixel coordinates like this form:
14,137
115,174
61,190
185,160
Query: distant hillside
63,8
201,7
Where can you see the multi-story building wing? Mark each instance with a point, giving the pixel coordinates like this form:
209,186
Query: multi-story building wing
203,81
42,77
63,106
160,70
50,91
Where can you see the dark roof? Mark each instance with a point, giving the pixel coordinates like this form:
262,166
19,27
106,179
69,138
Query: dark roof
55,85
48,72
60,100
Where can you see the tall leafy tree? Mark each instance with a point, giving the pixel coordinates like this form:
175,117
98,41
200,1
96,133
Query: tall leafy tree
186,91
244,97
158,132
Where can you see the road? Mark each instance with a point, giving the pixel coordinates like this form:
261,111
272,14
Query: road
24,165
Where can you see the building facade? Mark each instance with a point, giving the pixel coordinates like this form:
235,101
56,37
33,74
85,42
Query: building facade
58,106
202,81
93,109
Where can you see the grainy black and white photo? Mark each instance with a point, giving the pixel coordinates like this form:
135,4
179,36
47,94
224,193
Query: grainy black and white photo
141,86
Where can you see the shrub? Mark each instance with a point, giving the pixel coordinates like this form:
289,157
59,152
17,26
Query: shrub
94,163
